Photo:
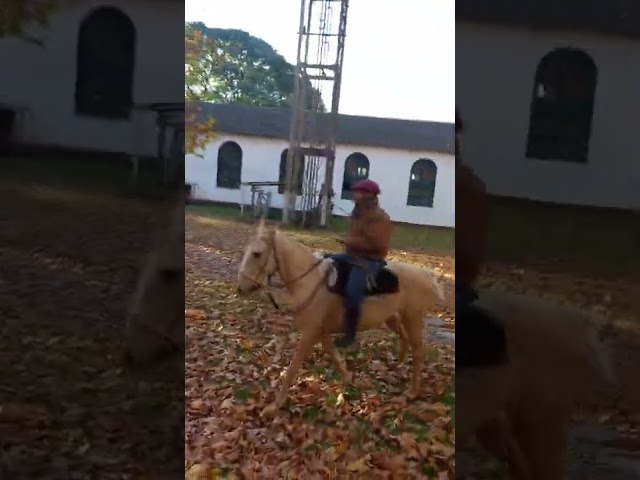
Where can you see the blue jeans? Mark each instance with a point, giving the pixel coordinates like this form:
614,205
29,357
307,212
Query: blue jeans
357,283
465,296
480,340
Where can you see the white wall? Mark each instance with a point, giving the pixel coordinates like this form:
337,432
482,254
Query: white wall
43,79
495,71
390,168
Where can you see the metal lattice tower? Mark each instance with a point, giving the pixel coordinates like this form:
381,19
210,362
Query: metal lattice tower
321,38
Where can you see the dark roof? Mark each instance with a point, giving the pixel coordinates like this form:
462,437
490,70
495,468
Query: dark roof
614,17
352,130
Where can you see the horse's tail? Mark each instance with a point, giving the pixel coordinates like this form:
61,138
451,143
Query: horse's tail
587,356
601,357
437,286
433,284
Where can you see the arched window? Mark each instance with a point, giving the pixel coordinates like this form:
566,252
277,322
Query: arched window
562,106
356,168
104,64
282,175
422,183
229,166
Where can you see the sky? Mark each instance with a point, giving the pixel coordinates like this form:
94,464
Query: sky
399,62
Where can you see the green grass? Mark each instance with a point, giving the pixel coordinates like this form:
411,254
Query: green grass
593,241
82,173
580,240
436,240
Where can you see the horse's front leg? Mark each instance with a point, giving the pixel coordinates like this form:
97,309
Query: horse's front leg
338,359
305,345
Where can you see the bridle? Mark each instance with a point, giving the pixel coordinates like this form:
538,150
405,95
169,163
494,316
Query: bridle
263,269
287,282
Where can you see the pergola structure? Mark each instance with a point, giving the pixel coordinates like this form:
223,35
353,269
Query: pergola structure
170,149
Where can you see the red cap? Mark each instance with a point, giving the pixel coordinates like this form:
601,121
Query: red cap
367,186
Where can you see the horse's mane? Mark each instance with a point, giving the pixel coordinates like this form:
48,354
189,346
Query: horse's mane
287,238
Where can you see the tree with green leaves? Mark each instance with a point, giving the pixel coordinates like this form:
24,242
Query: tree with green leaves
236,67
17,16
199,132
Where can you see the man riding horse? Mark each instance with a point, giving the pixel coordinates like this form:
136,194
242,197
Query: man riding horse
479,341
366,247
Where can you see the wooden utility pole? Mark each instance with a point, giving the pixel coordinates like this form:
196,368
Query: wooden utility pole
312,133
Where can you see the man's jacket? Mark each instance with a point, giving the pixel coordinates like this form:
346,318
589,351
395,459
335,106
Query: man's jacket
472,218
369,232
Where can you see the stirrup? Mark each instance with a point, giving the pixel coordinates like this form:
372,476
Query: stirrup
344,340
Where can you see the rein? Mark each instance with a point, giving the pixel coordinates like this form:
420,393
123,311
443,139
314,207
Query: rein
288,283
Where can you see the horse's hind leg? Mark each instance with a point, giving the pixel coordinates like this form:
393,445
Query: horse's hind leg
393,323
338,359
499,439
414,326
543,438
305,345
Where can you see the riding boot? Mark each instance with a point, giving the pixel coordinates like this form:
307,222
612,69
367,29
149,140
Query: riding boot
351,327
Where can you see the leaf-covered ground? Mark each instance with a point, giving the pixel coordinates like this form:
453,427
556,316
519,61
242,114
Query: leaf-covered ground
68,409
236,351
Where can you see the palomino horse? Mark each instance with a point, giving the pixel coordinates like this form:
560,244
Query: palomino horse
155,317
521,410
318,313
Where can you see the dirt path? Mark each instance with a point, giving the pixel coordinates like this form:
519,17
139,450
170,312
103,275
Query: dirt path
604,453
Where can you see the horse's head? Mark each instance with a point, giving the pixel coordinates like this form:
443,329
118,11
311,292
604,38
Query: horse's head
259,262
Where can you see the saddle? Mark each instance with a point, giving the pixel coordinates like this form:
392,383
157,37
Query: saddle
481,341
337,275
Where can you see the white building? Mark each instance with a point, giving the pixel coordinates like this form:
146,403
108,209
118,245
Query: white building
99,61
523,65
411,160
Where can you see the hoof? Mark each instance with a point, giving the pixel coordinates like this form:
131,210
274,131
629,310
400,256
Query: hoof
280,401
412,394
344,341
270,410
